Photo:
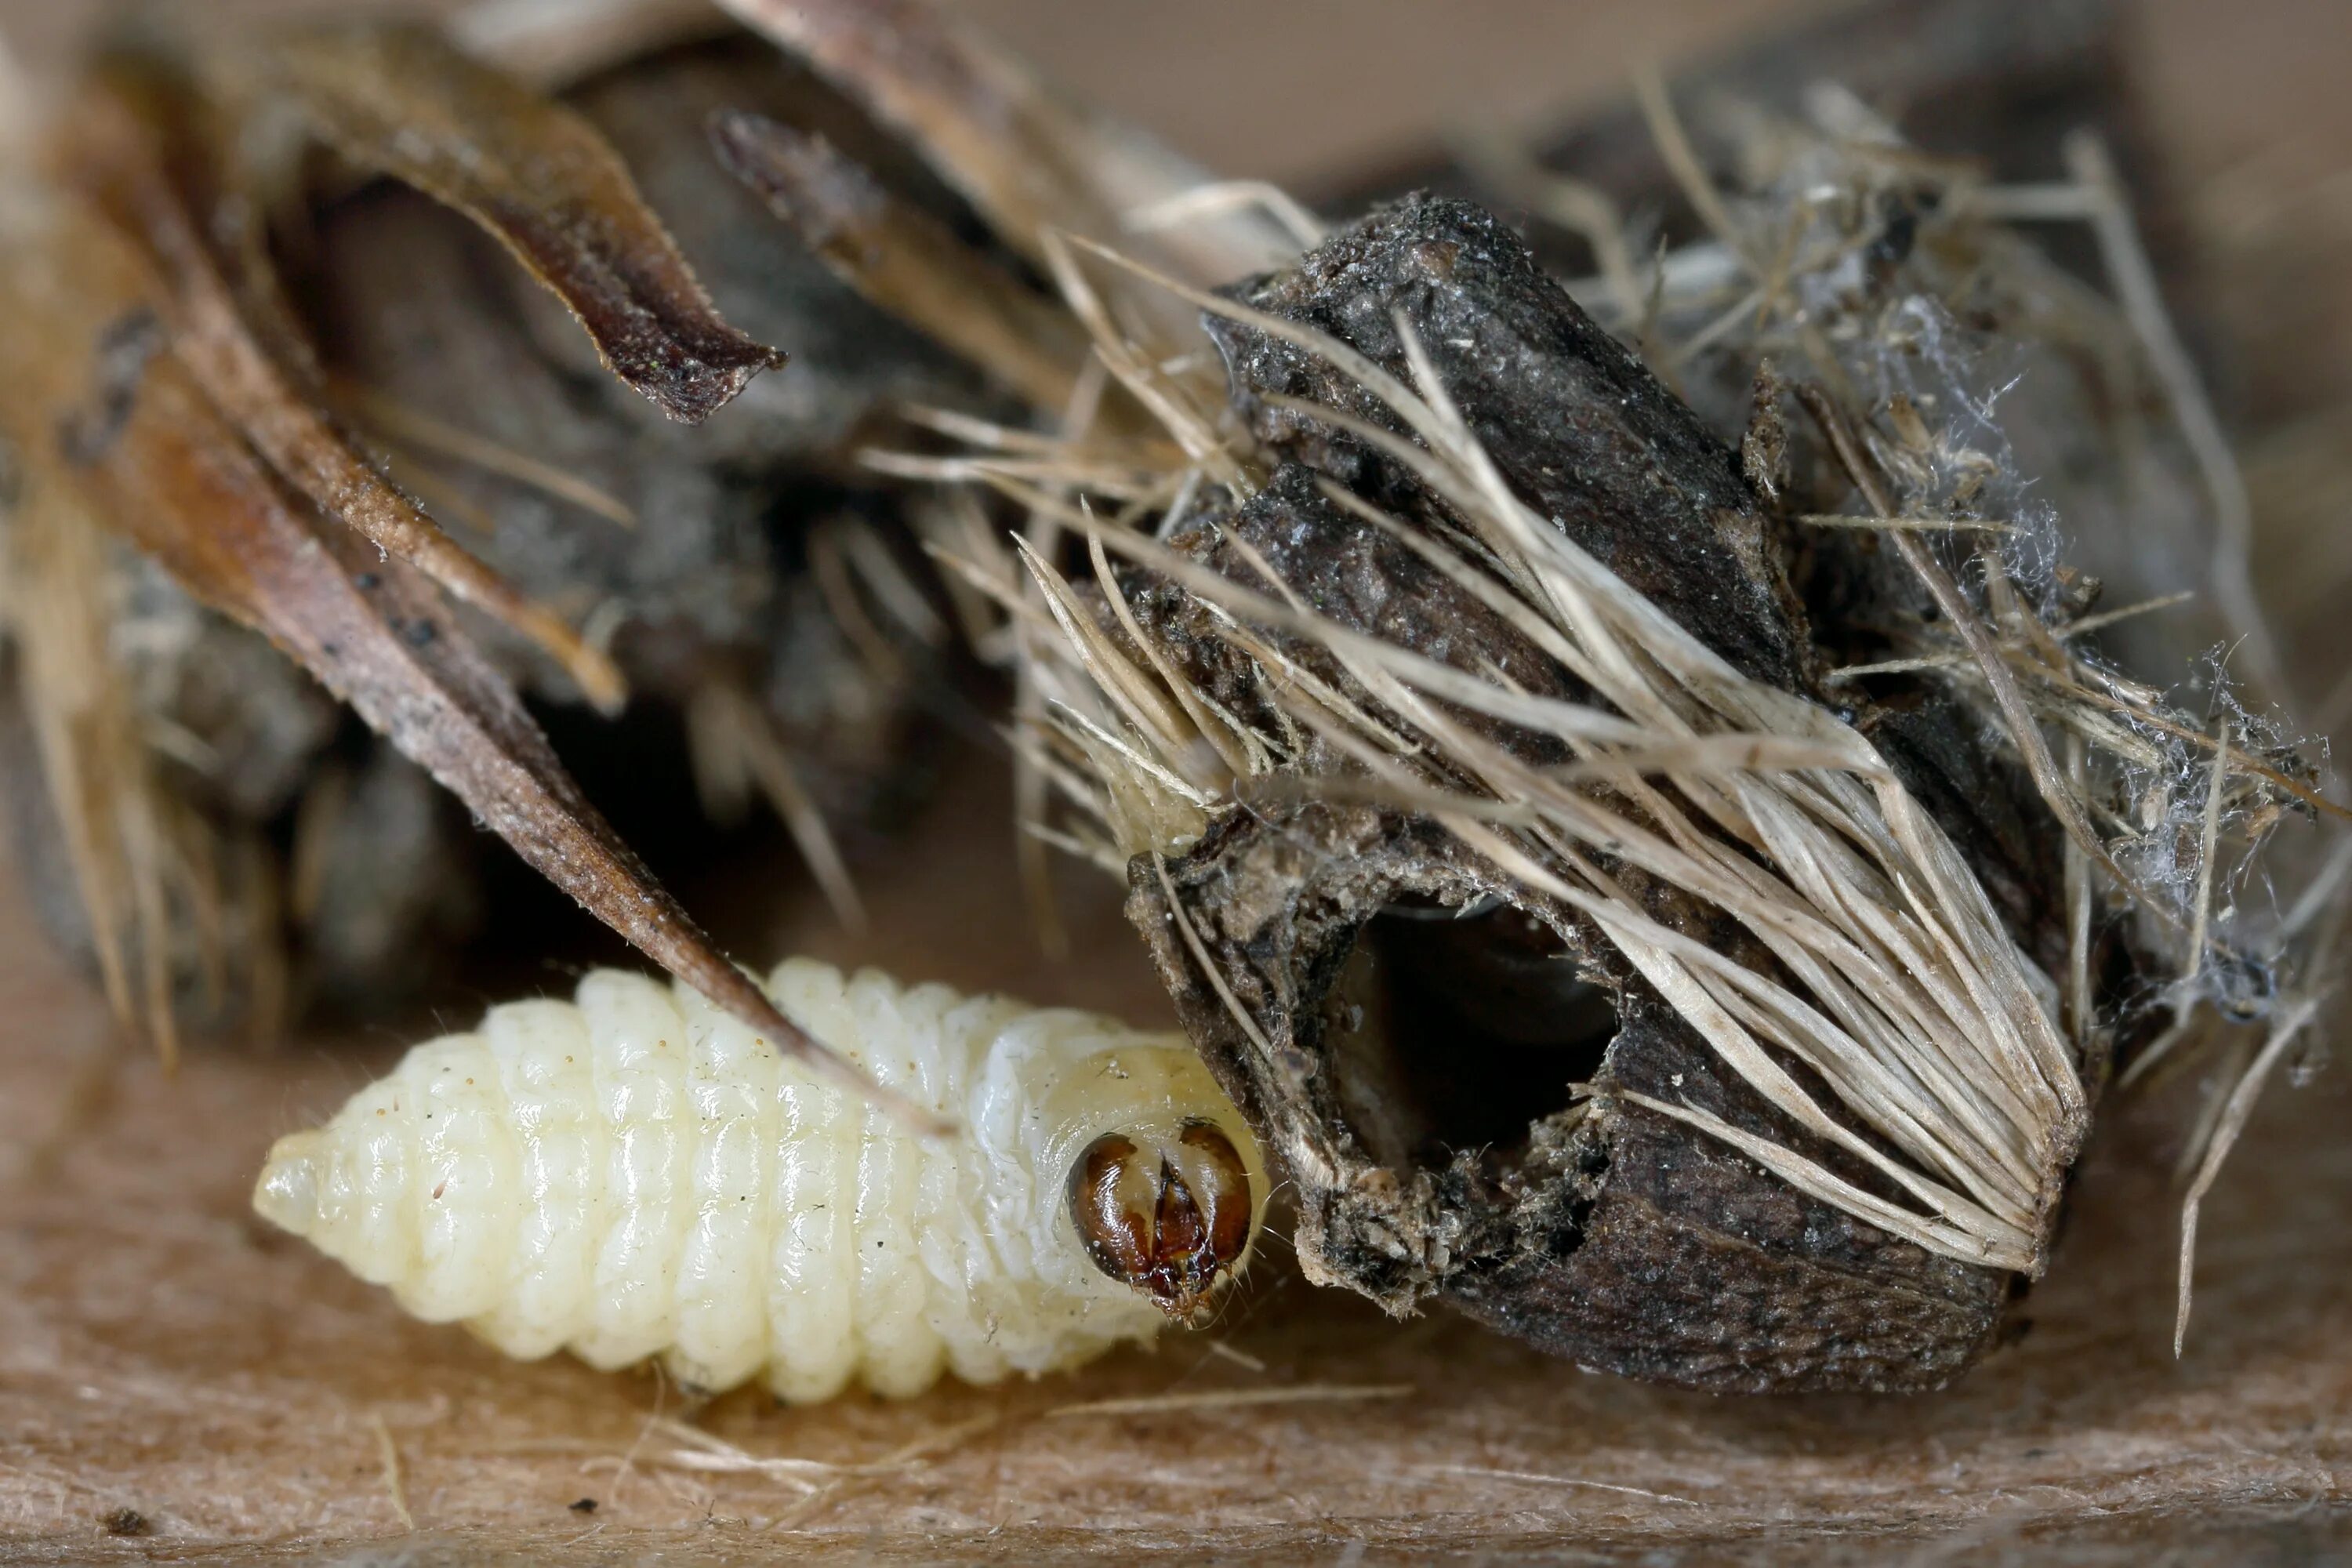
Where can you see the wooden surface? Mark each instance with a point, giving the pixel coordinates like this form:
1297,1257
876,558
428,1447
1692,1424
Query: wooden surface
159,1351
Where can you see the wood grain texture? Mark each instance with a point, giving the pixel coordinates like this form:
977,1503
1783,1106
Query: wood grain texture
160,1351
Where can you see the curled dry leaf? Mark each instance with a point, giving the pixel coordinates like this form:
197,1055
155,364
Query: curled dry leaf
117,163
405,102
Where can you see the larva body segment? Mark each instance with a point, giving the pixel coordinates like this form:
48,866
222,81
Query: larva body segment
634,1173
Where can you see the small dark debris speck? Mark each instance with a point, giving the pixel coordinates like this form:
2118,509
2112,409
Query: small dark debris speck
585,1505
420,634
124,1522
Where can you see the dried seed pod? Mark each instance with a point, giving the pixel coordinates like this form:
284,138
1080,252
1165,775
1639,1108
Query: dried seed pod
1404,1087
1478,758
634,1173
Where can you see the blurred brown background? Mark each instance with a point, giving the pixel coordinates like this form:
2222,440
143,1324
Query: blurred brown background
157,1352
2255,132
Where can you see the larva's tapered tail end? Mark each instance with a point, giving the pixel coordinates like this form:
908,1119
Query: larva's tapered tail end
288,1193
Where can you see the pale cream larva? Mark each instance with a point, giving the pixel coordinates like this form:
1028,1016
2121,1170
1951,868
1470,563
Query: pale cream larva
634,1174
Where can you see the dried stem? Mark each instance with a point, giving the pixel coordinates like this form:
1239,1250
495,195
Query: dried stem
1028,158
2236,1112
2143,300
905,261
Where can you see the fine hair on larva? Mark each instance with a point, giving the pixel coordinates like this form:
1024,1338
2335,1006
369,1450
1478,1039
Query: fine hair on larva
634,1173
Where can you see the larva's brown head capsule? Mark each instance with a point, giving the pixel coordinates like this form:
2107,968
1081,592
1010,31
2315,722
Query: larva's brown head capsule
1168,1215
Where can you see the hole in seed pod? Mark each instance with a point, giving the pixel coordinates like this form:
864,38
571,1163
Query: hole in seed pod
1451,1029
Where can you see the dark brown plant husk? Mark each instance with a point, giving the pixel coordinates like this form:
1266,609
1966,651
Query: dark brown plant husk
1346,724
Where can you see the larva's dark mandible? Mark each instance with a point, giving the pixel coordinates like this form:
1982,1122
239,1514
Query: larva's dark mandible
634,1173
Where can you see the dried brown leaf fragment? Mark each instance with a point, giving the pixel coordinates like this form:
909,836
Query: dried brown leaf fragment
119,163
905,260
174,446
1029,158
405,102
